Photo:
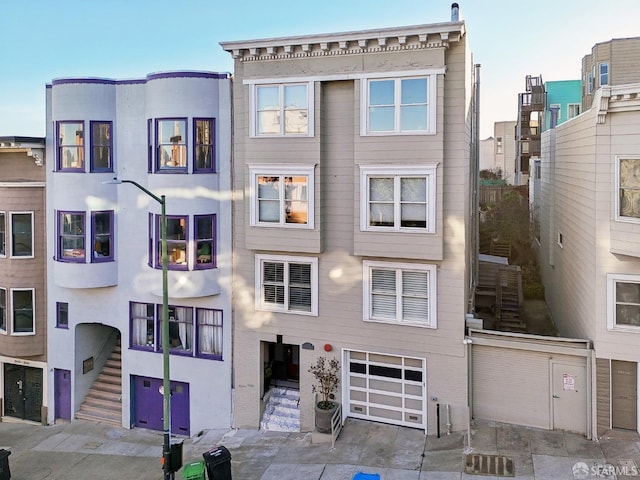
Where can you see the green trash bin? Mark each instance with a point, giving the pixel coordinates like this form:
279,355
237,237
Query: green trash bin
193,471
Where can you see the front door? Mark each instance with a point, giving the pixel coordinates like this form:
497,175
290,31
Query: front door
23,392
149,408
62,392
624,395
569,402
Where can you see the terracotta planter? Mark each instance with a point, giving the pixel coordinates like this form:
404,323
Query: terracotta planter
323,418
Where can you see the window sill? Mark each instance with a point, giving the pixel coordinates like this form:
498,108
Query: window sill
403,324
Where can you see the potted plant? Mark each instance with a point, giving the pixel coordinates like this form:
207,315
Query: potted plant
326,374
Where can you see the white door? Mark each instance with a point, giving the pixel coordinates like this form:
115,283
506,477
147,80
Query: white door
386,388
569,399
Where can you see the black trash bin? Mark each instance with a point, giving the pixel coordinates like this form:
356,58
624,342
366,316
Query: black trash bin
175,459
5,473
218,462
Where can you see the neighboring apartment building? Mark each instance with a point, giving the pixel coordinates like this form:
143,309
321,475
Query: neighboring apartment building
170,133
563,102
531,104
23,313
614,62
352,226
589,210
505,149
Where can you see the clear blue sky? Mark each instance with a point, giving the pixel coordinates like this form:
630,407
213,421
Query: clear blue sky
45,39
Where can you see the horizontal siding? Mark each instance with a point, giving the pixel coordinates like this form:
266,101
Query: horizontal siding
603,395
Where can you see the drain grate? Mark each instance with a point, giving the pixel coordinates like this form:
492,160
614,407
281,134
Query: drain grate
496,465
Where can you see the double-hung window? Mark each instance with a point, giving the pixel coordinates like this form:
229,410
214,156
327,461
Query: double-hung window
398,198
3,310
62,315
204,145
102,236
70,146
3,234
573,110
287,284
22,303
604,74
177,240
171,141
22,234
400,293
282,109
205,228
402,105
209,332
180,328
101,147
143,328
282,195
71,246
624,302
628,186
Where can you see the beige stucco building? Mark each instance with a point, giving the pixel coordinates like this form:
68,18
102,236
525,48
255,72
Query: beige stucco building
352,229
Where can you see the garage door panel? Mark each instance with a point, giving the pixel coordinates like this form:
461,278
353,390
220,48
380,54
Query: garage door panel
386,388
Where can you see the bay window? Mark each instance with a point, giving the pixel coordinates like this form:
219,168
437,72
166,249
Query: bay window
400,293
205,246
71,246
209,329
628,186
102,236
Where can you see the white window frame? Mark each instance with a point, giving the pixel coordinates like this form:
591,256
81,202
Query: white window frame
5,330
601,75
397,77
9,240
569,112
616,193
33,310
612,279
5,225
431,270
260,305
398,171
284,169
253,105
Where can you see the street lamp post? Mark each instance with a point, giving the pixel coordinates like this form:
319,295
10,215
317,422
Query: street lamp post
166,384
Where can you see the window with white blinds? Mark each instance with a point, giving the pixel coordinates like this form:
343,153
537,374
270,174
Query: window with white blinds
400,293
287,284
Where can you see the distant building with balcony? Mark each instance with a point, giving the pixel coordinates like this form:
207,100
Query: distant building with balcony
531,104
169,132
23,295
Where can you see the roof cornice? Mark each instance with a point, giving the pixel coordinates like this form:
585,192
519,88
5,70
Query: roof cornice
435,35
616,98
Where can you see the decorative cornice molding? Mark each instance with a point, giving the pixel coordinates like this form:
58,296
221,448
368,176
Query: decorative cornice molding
617,98
417,37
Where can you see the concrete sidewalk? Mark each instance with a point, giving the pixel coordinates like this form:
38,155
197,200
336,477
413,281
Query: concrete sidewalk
83,450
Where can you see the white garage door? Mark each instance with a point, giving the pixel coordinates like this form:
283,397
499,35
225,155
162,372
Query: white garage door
386,388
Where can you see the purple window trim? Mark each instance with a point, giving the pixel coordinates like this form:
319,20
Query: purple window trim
59,167
182,353
158,239
172,170
214,229
92,146
59,236
212,169
198,353
110,256
143,348
149,146
151,237
59,324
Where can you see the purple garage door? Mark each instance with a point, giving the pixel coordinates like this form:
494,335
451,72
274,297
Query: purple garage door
148,408
62,389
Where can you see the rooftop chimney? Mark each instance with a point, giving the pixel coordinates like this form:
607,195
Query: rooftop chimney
455,12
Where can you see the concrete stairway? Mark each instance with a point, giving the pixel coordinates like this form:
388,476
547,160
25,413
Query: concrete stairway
103,403
282,411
